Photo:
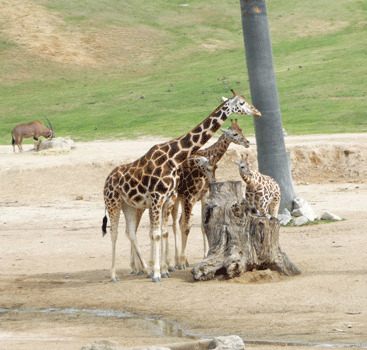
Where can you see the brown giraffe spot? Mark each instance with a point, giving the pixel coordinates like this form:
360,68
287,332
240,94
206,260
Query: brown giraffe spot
205,137
138,198
174,149
215,126
157,172
161,187
157,155
195,138
145,182
153,182
180,157
207,123
148,169
186,141
197,130
161,160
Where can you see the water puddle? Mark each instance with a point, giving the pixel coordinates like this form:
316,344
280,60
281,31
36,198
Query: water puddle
166,328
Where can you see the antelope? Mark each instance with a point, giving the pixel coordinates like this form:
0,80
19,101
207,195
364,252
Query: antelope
33,129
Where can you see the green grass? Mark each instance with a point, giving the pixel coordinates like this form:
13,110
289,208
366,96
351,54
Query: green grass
185,59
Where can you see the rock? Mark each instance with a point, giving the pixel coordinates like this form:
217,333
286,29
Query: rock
101,345
284,219
330,216
299,202
301,220
232,342
302,208
60,143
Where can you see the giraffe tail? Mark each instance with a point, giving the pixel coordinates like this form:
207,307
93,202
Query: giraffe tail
104,225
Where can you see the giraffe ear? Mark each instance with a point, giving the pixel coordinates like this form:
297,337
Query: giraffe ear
224,99
224,131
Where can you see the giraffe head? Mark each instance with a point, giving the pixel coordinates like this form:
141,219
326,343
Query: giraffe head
234,134
244,166
207,165
239,105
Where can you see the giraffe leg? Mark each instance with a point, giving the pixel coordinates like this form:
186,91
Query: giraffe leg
175,225
114,215
205,237
274,207
155,214
185,226
132,220
168,208
135,264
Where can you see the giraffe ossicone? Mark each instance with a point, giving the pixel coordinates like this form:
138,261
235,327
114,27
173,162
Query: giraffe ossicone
150,183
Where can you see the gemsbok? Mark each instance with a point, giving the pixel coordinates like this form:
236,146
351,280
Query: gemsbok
33,129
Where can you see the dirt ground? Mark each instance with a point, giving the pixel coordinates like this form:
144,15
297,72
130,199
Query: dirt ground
55,289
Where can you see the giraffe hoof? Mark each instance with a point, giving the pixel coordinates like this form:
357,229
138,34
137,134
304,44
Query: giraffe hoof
114,279
171,269
166,275
150,275
157,279
182,267
139,273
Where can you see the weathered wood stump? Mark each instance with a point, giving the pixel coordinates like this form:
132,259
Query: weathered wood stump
239,240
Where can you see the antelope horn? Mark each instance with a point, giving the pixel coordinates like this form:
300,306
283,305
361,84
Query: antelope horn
49,124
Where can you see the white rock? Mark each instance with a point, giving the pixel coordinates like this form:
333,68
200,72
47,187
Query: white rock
301,220
299,203
330,216
60,142
284,219
304,210
232,342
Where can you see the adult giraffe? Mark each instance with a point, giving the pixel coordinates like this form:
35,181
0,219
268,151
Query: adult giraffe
150,183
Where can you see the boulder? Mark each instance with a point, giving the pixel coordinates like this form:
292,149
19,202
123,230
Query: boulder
56,143
301,220
330,216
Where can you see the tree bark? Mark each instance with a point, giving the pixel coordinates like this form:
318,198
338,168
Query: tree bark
239,240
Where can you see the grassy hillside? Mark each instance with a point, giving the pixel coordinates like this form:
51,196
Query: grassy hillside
111,69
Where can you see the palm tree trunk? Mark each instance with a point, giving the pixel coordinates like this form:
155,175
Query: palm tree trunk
273,158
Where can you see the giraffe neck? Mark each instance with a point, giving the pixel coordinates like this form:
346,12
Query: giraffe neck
251,181
219,148
202,133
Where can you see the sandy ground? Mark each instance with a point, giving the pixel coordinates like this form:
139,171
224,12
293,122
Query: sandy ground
55,291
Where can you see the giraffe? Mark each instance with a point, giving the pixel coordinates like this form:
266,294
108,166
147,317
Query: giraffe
262,191
150,183
194,186
205,165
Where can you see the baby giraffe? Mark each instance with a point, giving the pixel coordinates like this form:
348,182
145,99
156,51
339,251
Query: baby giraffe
262,191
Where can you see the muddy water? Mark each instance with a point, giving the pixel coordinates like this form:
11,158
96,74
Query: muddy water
152,326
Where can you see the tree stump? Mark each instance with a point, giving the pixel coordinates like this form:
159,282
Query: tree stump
239,240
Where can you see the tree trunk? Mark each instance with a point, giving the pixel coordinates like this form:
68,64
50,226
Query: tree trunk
239,240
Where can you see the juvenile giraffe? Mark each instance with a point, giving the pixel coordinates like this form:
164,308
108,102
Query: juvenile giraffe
193,186
150,183
262,191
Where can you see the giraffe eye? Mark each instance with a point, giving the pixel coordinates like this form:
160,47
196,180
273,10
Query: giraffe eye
235,134
242,103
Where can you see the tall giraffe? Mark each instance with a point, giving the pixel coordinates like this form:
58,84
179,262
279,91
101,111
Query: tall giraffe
262,191
150,183
193,186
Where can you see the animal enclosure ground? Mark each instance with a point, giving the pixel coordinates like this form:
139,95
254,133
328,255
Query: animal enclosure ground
54,275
